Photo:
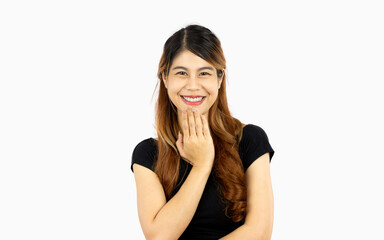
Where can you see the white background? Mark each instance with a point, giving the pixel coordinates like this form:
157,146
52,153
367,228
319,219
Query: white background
77,79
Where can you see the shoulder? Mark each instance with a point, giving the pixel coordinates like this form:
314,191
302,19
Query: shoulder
253,132
253,143
146,144
145,153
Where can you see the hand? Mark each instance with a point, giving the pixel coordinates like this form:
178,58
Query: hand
195,145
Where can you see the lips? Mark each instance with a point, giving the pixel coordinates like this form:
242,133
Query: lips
191,96
193,100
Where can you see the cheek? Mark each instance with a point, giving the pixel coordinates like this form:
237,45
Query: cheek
213,89
173,91
174,85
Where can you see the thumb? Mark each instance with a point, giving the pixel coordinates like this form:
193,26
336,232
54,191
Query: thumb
179,143
181,137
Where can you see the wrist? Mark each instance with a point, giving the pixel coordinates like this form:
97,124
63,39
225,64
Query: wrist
202,169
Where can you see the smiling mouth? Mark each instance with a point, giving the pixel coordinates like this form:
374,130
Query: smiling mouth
193,98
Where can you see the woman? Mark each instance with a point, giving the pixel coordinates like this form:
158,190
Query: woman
207,175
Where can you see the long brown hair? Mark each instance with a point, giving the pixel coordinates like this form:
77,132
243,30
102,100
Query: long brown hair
226,131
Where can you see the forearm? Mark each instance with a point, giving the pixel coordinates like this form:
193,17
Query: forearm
246,232
174,217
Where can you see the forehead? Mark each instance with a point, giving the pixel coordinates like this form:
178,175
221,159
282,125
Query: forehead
189,60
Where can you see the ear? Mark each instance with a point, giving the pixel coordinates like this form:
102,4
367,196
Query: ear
164,80
221,78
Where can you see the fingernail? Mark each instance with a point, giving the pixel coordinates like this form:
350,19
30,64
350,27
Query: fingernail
194,109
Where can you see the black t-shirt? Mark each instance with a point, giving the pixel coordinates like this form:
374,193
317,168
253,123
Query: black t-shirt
209,221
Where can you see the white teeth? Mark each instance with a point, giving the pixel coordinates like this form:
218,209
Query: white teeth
193,99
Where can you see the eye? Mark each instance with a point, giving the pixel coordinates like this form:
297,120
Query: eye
181,73
205,74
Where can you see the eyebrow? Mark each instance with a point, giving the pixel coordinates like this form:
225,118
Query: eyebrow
184,68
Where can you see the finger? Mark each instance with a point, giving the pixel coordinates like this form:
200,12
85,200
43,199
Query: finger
191,122
198,124
184,123
181,138
205,126
179,144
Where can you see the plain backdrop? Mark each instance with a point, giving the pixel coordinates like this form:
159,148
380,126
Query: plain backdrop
77,79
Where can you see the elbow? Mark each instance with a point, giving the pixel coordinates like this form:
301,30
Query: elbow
152,235
261,232
261,235
264,234
153,231
158,235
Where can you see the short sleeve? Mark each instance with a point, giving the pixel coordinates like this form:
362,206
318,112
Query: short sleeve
253,144
145,154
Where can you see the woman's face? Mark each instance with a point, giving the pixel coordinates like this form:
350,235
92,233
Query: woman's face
192,82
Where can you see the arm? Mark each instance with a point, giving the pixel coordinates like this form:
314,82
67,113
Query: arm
167,220
160,219
259,216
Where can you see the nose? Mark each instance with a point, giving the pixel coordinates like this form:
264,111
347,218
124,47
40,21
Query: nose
192,83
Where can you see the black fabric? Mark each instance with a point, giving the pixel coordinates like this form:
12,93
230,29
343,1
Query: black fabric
209,221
